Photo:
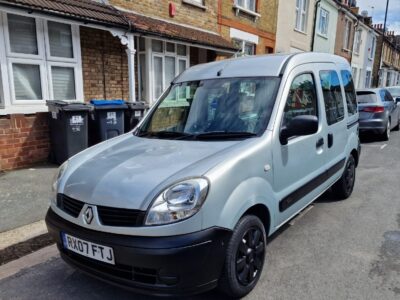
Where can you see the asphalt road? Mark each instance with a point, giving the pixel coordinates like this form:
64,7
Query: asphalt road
337,250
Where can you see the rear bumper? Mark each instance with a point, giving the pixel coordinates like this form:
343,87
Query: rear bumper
377,125
176,265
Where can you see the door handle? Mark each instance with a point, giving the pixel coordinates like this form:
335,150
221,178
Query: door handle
330,140
320,143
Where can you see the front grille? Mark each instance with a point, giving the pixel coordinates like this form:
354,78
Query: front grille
70,206
141,275
111,216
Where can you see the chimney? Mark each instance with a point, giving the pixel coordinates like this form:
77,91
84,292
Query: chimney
355,10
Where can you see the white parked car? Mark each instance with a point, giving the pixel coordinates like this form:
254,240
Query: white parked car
228,154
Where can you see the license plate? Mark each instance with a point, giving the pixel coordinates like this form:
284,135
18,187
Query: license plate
88,249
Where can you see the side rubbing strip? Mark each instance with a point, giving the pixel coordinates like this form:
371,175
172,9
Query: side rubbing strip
292,198
352,124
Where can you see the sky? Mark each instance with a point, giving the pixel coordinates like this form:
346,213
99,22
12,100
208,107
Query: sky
378,12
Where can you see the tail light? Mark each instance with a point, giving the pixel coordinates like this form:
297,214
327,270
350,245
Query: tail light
374,109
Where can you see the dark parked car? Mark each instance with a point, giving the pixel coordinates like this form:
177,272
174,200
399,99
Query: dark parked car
378,110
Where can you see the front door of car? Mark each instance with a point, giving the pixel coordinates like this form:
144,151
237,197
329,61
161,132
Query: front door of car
335,121
298,164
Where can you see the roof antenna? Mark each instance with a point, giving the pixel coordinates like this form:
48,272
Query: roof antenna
219,72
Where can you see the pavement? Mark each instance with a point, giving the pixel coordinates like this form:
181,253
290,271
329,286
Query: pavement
24,195
336,250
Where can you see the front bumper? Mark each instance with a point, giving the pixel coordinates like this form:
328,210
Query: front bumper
174,265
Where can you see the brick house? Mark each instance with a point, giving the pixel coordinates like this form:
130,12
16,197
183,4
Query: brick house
80,49
250,24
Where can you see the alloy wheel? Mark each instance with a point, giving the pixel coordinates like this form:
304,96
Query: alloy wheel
250,256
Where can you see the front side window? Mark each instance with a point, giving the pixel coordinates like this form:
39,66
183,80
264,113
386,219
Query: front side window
247,4
214,106
301,15
349,92
323,22
332,93
302,98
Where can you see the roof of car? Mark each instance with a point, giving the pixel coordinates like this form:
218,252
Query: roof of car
372,90
253,66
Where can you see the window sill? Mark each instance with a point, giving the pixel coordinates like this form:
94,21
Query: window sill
194,3
23,109
346,50
324,36
300,31
246,11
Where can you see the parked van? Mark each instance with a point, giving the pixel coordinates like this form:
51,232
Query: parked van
229,153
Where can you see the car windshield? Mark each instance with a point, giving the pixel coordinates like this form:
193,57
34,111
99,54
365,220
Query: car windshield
394,91
366,97
214,108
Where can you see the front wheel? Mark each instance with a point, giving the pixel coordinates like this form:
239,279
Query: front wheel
245,256
344,186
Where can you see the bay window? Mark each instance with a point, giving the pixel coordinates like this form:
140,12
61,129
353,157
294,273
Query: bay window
42,58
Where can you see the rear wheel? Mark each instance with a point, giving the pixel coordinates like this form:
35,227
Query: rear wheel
344,186
244,258
386,134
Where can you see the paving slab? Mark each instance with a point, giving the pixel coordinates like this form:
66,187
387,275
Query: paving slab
24,195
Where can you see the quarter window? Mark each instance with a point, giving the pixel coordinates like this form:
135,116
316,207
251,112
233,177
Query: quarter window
332,93
302,99
349,92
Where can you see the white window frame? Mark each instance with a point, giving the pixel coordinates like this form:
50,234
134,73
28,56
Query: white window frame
39,37
43,80
357,41
347,35
75,43
326,17
197,3
186,58
78,82
246,8
243,43
10,104
372,48
302,15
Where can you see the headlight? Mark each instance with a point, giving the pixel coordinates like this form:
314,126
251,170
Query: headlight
57,177
178,202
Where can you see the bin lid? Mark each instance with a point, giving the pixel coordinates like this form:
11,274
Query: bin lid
108,104
67,105
137,105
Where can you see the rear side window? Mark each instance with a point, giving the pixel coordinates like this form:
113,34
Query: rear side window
302,99
349,91
366,97
333,99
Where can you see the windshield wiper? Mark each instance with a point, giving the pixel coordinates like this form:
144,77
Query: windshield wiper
164,134
223,135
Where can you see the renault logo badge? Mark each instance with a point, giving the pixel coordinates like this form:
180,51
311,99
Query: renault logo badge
88,215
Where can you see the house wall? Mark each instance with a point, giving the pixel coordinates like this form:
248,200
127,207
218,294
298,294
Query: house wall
326,43
288,39
340,34
185,13
24,140
104,65
262,28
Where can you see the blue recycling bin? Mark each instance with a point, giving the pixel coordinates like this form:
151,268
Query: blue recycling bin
106,120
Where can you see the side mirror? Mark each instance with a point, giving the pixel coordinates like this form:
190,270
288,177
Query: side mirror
397,100
298,126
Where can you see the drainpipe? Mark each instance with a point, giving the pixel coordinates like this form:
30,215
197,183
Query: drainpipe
315,24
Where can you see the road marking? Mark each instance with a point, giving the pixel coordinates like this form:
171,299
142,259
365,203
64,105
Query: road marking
383,146
28,261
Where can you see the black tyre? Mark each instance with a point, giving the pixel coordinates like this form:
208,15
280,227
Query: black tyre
344,186
245,256
386,135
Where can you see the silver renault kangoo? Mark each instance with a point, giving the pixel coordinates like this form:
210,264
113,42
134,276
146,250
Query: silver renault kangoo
231,151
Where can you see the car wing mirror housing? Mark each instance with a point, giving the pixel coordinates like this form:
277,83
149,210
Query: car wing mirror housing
397,100
299,126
